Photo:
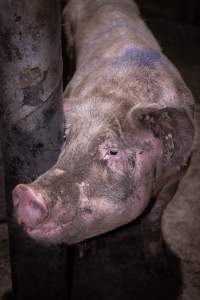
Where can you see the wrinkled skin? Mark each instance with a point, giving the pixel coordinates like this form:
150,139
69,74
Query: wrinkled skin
129,129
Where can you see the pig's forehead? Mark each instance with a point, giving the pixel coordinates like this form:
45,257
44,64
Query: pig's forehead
90,139
86,128
97,112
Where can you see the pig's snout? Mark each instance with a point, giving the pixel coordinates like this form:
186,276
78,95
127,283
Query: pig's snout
29,206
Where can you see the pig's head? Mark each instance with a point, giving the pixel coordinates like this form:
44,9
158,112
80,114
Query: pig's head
111,165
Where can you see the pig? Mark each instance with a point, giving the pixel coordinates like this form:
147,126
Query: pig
128,134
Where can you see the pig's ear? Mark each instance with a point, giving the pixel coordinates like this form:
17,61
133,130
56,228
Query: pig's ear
173,127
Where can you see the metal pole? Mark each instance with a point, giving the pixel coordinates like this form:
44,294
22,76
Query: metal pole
31,121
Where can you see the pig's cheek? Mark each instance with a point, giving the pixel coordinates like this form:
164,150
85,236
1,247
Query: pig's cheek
64,212
84,203
116,165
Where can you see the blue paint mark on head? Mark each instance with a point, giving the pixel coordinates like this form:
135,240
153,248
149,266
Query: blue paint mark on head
139,57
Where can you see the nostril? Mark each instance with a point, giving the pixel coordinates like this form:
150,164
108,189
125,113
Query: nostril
29,206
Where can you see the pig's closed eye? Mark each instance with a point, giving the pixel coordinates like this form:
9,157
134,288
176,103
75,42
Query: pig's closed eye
113,152
109,152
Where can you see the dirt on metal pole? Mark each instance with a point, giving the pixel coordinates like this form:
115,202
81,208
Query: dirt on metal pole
31,121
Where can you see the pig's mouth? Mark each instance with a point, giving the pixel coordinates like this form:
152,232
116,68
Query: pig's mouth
47,232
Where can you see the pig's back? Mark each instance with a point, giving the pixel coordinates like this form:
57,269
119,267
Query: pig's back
118,58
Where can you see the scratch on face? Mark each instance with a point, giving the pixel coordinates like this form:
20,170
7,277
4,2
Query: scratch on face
83,187
139,57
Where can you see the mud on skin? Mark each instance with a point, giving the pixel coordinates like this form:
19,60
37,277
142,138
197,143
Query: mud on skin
129,129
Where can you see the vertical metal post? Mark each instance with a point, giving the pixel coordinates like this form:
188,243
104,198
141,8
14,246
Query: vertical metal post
31,121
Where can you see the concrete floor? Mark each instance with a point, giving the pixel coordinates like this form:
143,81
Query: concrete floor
182,46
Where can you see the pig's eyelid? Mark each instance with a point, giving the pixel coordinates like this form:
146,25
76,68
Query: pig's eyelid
113,151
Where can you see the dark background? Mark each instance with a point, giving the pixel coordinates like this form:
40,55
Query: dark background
112,266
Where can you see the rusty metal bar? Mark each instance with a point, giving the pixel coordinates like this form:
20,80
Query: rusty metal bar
31,121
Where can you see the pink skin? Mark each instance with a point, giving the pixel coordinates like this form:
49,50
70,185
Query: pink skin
94,215
30,206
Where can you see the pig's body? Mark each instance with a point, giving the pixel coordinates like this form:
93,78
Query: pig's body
129,129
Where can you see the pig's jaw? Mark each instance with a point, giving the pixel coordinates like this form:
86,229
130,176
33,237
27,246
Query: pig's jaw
50,233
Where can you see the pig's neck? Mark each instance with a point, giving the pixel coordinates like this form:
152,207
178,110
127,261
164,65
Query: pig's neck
107,36
105,27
